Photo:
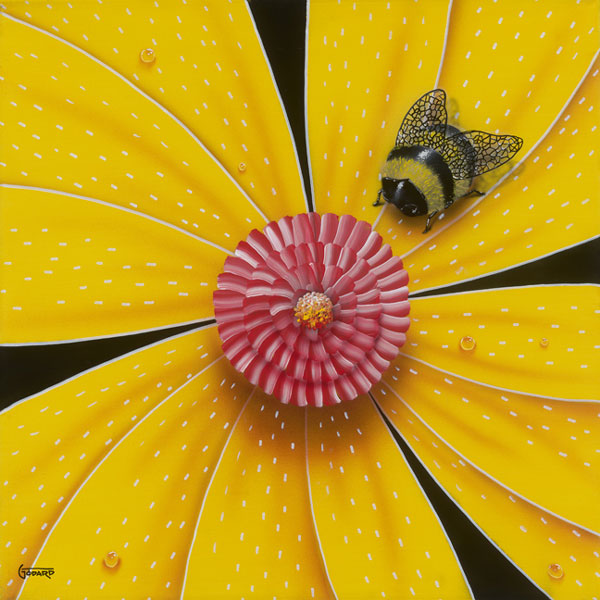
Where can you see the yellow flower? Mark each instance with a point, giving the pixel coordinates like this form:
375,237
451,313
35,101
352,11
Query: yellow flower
141,142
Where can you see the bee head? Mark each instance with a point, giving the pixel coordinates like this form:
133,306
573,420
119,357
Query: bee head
404,195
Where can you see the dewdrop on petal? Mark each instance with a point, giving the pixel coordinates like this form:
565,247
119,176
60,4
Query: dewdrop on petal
112,560
556,571
467,343
148,56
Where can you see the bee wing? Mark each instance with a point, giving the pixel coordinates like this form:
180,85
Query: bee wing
425,122
472,153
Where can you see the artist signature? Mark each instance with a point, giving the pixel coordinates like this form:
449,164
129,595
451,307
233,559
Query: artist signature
35,571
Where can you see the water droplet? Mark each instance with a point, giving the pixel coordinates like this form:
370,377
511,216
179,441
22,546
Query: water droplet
556,571
147,55
544,342
242,167
467,343
112,560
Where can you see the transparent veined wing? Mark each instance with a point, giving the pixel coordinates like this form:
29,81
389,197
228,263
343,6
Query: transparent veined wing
425,123
472,153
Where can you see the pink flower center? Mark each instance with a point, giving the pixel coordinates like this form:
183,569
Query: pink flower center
314,310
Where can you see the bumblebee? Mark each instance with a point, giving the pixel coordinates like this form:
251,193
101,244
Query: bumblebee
433,163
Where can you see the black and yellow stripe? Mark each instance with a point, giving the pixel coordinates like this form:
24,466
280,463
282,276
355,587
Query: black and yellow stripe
429,173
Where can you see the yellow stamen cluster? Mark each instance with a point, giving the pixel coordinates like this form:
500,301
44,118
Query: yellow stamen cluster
314,310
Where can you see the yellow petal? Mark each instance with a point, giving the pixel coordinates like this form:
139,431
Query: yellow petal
73,123
541,340
510,68
75,268
551,202
70,456
552,442
531,537
209,71
380,537
142,500
367,62
255,533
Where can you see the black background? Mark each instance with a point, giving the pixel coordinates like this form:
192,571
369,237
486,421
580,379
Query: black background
29,369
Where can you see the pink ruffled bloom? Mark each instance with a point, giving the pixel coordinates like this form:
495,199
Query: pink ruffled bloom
260,287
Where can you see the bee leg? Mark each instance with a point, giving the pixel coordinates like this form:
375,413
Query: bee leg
378,202
429,219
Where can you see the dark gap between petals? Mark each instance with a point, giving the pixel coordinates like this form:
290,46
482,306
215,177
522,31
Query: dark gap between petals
490,575
580,264
29,369
282,27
